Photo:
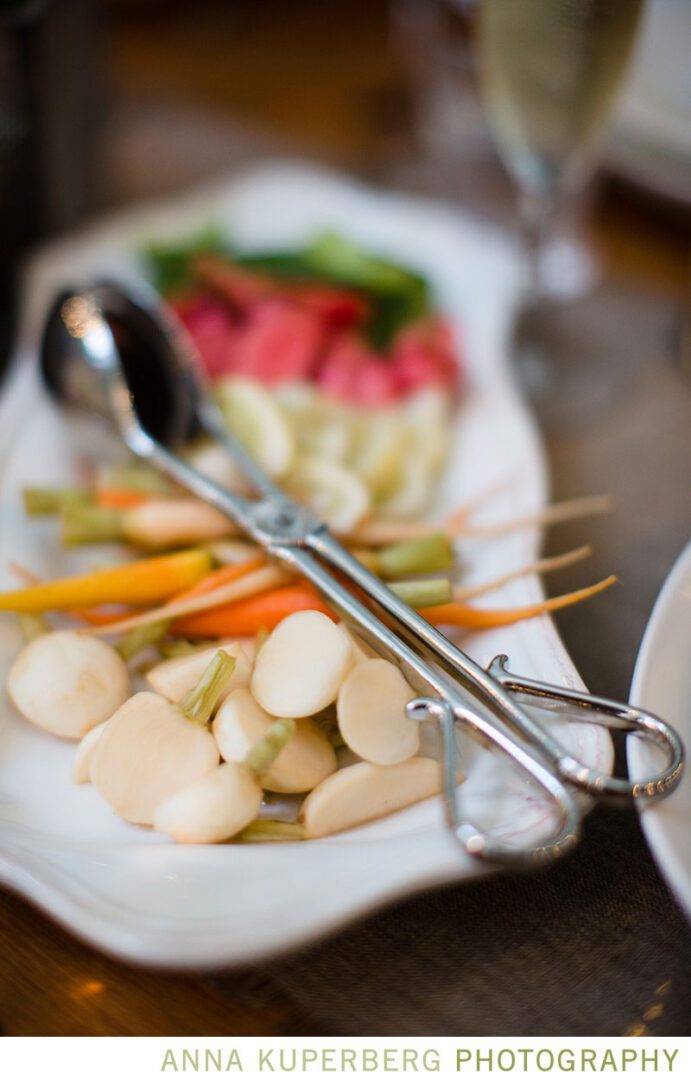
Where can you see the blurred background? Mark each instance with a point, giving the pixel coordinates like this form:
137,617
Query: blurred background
105,101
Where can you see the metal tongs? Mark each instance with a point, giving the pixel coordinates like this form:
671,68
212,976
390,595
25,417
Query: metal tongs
120,351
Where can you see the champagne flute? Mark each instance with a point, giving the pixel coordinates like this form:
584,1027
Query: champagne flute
549,73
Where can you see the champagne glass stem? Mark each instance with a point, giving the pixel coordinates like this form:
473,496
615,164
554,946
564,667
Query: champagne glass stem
537,210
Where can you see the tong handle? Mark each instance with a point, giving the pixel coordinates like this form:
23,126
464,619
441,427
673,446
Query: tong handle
278,524
285,530
582,707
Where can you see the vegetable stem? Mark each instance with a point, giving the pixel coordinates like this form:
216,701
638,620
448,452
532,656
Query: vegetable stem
425,555
33,626
171,650
134,476
263,754
199,703
41,501
424,592
140,638
266,831
91,525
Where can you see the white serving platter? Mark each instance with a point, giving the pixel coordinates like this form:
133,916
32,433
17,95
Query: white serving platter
129,891
662,684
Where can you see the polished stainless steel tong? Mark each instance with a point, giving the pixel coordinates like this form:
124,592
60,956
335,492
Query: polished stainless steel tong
84,364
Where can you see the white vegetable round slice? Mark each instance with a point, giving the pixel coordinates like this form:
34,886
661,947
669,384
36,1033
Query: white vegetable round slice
258,422
301,665
307,759
173,678
213,809
163,523
427,415
413,493
361,650
67,683
81,769
363,792
379,461
336,493
147,753
371,713
214,461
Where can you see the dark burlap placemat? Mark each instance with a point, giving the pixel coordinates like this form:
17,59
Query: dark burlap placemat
595,945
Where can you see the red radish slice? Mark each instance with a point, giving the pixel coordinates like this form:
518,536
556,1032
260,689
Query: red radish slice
239,288
280,340
351,371
424,354
213,330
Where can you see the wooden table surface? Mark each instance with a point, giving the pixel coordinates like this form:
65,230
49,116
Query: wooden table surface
51,984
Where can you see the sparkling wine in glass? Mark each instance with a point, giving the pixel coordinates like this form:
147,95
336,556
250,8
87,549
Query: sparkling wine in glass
549,72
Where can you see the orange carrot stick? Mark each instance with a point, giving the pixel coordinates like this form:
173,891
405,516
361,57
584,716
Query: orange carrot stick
245,618
219,577
98,617
113,498
464,615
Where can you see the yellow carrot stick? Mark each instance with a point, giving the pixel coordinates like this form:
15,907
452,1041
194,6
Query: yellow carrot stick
145,582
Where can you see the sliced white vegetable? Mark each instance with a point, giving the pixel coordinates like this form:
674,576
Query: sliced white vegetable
324,429
371,713
259,423
213,809
295,396
164,523
214,461
148,752
382,452
414,490
361,650
427,415
66,682
81,769
232,552
173,678
307,759
301,665
336,493
364,792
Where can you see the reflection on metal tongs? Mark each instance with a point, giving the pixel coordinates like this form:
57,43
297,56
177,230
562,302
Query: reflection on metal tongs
156,402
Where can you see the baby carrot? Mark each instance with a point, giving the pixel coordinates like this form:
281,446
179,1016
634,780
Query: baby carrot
120,498
473,618
96,617
144,582
244,618
219,577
